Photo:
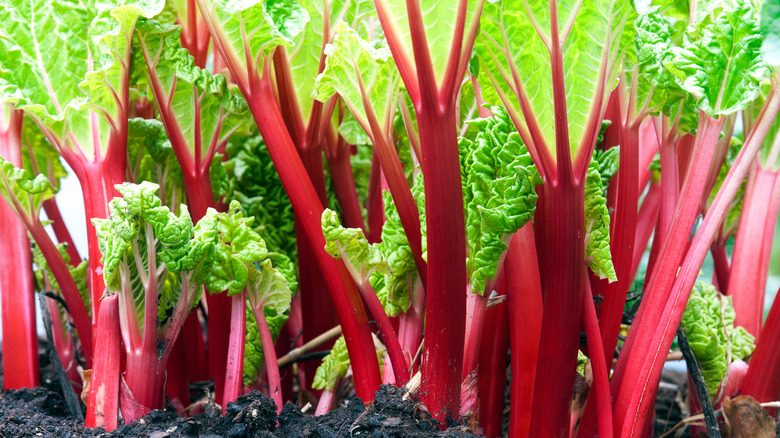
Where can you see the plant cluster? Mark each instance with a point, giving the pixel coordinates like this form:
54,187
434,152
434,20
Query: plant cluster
439,184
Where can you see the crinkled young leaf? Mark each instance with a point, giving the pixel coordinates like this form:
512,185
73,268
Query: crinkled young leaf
255,184
720,62
268,287
252,29
139,226
499,192
253,345
353,61
334,367
508,40
199,110
597,251
708,322
239,248
150,158
351,245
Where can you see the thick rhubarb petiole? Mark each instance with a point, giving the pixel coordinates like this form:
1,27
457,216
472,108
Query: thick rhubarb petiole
20,341
492,370
647,218
753,247
763,377
61,230
234,373
524,302
445,316
102,407
601,398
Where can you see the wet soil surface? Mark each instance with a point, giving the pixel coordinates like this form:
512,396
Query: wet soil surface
40,412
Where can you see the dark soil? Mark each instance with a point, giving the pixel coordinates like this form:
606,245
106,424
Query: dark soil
40,412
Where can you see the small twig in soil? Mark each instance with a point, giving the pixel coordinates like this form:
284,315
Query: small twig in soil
71,400
692,420
713,431
305,357
295,354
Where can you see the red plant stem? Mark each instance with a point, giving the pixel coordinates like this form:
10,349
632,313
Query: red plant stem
195,36
387,332
177,382
492,369
269,356
476,306
234,375
326,401
646,221
445,316
623,236
720,258
524,302
562,213
601,400
655,334
306,203
375,207
753,247
670,186
68,288
763,376
648,147
20,340
61,230
672,250
344,185
102,407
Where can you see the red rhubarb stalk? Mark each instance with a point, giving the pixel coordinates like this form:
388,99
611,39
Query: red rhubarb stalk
61,230
102,407
20,340
763,377
601,399
524,302
647,218
492,370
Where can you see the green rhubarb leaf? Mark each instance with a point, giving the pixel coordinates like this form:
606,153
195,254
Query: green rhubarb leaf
720,62
499,190
353,65
439,18
514,35
351,245
253,346
198,108
61,59
252,29
708,322
770,30
353,133
238,249
597,250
